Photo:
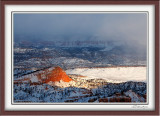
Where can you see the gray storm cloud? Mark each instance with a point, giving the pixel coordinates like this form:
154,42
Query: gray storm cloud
129,28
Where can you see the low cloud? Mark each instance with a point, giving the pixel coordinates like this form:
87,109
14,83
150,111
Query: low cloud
128,28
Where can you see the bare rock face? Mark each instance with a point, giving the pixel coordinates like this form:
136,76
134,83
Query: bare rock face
120,99
118,94
92,100
103,100
145,96
56,75
115,99
71,100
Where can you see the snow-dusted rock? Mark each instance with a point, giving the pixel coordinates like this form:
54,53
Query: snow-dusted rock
134,97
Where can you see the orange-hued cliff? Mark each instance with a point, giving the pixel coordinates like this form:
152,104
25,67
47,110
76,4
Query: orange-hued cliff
57,74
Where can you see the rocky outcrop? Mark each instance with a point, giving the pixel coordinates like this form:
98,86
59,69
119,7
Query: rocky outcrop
115,99
56,75
103,100
120,99
92,100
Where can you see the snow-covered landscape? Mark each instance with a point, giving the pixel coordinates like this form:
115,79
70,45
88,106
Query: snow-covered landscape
86,85
78,74
80,58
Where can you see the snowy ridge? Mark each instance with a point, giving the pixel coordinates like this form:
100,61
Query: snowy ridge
34,76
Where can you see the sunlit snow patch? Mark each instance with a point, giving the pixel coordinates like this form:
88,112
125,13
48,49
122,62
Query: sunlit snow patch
112,74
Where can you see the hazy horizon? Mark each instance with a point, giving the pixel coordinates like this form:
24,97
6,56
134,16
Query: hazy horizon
129,29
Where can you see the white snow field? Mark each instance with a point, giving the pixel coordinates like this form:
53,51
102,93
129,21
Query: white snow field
112,74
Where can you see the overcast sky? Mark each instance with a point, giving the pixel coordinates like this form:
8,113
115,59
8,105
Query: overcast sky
125,27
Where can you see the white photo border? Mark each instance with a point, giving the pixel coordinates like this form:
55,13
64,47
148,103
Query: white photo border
11,9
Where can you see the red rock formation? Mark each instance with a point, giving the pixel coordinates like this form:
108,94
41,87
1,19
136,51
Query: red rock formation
56,75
